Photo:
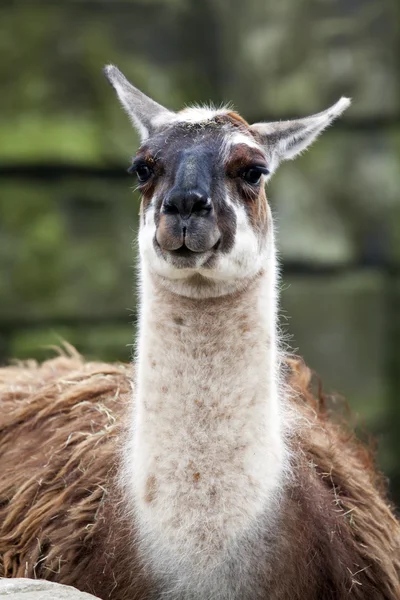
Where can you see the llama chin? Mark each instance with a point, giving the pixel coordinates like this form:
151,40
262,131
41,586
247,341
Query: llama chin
209,470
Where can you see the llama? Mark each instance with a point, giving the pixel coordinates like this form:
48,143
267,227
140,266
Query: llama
225,478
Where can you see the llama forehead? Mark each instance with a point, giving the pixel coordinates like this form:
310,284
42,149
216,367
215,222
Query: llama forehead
200,132
181,143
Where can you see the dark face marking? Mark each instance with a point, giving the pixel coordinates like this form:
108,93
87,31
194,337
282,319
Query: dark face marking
187,216
190,176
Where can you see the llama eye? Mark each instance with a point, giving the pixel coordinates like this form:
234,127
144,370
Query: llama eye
253,175
143,173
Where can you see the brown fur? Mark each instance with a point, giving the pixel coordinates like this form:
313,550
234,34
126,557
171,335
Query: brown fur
62,517
243,156
256,202
338,516
234,118
147,189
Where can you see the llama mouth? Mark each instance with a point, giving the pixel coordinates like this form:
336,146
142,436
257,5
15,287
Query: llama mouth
184,257
184,252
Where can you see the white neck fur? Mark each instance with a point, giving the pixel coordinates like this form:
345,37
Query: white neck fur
206,458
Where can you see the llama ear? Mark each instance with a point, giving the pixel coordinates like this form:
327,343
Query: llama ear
144,113
284,140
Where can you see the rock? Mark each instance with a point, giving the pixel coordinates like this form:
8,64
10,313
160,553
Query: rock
37,589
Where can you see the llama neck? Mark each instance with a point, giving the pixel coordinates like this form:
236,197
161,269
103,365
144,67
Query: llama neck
206,455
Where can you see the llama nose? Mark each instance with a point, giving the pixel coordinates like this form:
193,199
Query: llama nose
187,203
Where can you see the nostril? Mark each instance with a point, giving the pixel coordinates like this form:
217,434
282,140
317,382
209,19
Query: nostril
201,207
187,203
170,209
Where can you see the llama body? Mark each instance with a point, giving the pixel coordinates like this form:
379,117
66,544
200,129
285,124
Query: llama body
220,476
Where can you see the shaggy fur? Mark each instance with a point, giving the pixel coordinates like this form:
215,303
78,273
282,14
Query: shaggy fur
61,431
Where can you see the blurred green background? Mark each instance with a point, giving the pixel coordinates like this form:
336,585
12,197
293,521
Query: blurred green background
68,215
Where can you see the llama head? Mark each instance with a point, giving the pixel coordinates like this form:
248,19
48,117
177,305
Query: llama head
206,226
